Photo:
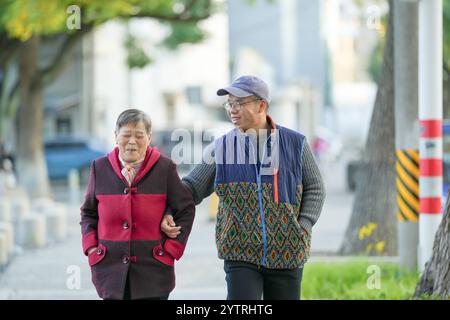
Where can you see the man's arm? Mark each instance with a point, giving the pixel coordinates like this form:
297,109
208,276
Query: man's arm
200,182
183,209
313,195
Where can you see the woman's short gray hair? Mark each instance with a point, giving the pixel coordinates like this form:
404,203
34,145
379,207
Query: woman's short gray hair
134,116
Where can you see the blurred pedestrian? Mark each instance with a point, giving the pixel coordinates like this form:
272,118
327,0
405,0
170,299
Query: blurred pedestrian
7,176
270,195
126,197
319,148
7,173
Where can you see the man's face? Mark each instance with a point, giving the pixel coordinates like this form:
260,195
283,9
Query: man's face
247,114
132,140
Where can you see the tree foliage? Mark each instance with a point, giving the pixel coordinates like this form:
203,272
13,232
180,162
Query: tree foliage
22,19
446,40
26,24
376,56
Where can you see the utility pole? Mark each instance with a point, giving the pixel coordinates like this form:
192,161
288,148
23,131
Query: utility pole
406,79
430,116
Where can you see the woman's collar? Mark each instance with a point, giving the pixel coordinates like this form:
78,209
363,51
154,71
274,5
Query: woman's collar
134,164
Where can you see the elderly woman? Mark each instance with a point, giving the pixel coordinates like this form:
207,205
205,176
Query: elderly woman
128,192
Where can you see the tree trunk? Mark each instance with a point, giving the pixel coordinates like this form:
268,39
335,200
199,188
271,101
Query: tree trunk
435,279
373,226
31,166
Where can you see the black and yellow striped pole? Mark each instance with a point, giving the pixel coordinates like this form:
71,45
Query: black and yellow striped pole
407,182
408,205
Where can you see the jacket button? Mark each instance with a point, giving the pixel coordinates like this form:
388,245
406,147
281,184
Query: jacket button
160,252
99,251
125,225
125,260
125,191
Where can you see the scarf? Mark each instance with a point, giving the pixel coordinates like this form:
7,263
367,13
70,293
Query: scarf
129,171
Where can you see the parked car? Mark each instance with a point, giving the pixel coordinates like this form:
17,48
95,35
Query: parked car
65,153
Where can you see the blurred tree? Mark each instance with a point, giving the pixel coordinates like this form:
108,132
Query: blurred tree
446,64
25,25
435,279
136,57
376,57
377,54
372,228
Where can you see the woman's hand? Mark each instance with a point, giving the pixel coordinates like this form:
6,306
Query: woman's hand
169,227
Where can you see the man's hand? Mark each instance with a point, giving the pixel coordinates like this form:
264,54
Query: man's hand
169,227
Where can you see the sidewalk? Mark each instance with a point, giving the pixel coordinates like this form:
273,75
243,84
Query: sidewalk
329,230
44,273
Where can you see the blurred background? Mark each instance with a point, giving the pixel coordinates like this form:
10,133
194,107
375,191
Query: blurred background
68,69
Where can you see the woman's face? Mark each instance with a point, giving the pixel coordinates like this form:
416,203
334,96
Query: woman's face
133,140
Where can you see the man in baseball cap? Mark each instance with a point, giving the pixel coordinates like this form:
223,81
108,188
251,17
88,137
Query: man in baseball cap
268,204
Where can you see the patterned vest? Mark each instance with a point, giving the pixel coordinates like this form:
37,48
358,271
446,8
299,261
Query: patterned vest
259,199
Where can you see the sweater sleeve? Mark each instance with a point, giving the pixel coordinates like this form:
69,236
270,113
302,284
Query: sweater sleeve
89,214
182,207
200,181
313,195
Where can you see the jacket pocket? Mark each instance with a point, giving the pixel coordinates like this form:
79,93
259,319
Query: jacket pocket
97,255
163,256
306,237
224,224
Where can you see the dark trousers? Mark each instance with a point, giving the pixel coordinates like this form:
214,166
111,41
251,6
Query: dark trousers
127,293
246,281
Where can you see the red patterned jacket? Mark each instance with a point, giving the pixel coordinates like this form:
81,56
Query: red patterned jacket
123,221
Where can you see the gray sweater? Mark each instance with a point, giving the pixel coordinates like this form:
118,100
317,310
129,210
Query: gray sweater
201,183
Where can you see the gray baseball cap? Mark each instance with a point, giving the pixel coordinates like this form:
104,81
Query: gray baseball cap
246,86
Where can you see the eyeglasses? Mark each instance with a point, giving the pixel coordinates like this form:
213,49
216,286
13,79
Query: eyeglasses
237,105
